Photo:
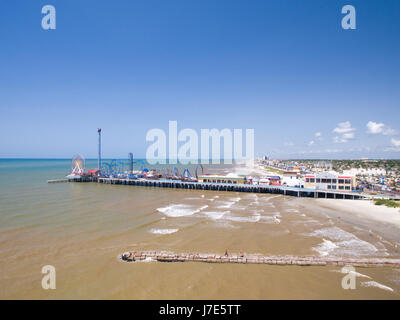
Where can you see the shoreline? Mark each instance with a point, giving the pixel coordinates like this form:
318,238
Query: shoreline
379,223
363,209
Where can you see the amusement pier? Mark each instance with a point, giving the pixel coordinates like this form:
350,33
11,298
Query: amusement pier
297,192
214,186
290,183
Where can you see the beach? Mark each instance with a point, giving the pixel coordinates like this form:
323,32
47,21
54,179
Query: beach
365,209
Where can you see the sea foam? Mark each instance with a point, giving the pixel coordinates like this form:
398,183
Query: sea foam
340,242
181,210
376,284
228,204
355,273
163,231
215,215
253,218
325,248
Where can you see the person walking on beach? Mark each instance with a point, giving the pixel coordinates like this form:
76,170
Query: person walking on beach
226,253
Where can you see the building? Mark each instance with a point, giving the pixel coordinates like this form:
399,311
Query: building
365,172
325,165
292,179
222,179
263,182
271,180
330,181
293,168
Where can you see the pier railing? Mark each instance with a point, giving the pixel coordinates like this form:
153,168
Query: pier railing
177,184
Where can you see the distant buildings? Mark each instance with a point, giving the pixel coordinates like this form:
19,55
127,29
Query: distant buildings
323,166
369,175
366,171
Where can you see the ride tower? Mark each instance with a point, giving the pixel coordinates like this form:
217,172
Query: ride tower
99,149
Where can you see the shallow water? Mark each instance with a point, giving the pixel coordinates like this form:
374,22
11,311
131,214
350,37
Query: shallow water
81,228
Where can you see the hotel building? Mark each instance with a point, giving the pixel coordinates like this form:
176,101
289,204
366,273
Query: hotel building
330,181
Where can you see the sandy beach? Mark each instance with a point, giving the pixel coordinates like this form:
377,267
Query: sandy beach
364,209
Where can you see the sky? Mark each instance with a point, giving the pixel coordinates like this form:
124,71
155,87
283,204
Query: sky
287,69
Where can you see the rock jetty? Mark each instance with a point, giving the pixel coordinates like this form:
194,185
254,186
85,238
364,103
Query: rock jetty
164,256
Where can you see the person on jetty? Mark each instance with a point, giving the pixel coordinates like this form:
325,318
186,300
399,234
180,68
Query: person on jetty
226,253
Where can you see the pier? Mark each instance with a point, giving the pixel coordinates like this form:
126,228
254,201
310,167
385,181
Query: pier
290,191
77,179
57,181
164,256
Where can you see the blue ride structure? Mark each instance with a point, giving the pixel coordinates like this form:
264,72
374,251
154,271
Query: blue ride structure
117,168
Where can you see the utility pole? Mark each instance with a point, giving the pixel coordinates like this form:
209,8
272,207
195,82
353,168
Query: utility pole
130,162
99,155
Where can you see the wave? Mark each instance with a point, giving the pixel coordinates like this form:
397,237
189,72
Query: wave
271,219
181,210
268,198
253,218
215,215
225,204
355,273
229,203
325,248
163,231
253,196
377,285
148,259
346,243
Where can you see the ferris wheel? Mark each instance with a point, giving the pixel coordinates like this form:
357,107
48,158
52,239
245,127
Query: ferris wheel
78,164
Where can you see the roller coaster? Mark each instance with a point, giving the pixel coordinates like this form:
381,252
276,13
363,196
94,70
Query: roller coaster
122,169
117,168
186,175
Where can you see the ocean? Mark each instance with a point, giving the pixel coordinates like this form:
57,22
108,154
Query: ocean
82,228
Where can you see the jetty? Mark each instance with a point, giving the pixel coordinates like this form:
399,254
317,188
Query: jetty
166,256
275,189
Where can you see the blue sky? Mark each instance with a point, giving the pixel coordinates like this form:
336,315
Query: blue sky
285,68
